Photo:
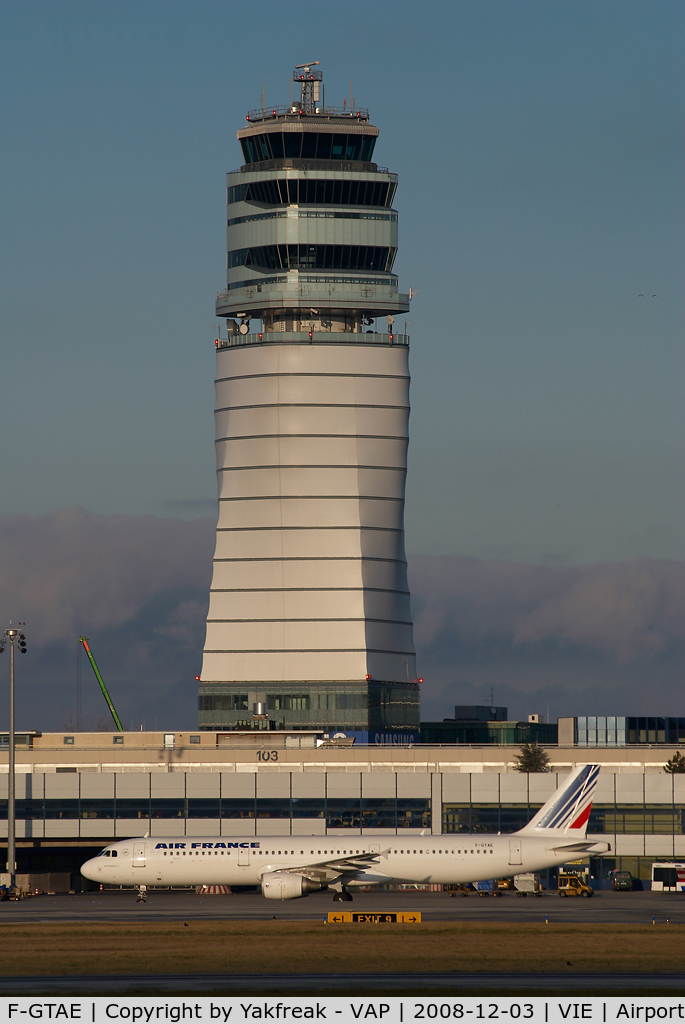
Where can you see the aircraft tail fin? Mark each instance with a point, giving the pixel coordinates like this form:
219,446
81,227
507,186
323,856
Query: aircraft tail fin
567,811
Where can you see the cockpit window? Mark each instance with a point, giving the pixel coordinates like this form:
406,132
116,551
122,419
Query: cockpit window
114,853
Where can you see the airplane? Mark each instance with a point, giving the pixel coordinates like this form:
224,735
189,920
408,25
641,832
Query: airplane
288,867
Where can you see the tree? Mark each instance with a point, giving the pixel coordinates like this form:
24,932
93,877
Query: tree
676,764
532,759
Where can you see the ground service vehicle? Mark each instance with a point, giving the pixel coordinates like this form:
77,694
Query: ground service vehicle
573,885
668,876
288,866
527,884
484,888
622,881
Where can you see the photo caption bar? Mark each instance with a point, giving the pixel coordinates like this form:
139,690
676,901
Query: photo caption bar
391,1010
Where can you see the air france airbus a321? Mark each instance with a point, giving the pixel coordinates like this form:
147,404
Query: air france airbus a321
290,866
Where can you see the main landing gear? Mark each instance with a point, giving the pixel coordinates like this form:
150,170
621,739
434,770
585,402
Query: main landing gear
342,897
142,894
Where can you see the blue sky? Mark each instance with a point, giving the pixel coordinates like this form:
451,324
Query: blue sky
540,201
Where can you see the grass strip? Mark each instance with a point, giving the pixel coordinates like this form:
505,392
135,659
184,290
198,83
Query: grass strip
254,947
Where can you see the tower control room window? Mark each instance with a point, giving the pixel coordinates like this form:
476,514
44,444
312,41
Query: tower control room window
315,257
307,146
313,191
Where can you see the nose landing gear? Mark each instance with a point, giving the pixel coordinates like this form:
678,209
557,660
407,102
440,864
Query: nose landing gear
142,894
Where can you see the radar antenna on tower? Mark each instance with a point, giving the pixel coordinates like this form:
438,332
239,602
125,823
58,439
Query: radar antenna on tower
311,83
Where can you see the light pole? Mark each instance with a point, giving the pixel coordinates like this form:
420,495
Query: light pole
12,635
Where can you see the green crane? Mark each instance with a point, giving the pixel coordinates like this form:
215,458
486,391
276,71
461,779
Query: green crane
84,640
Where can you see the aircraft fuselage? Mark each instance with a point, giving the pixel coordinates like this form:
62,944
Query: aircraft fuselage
244,860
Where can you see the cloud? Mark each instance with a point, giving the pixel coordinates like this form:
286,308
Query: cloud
138,587
594,639
72,572
628,609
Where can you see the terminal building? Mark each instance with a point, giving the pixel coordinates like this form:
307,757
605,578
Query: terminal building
483,724
77,792
309,623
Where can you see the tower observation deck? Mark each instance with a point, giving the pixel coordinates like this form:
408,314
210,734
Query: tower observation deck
309,623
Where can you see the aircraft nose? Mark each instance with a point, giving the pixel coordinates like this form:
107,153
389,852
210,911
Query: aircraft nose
90,869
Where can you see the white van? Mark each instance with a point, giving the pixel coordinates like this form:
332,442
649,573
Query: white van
668,876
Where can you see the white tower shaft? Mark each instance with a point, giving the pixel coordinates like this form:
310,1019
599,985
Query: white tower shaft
310,578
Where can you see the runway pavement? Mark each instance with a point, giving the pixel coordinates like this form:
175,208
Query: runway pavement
454,984
117,905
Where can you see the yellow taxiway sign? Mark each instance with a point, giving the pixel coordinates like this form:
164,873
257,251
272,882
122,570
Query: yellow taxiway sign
401,917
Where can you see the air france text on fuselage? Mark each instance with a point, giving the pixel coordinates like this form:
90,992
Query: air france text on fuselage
208,846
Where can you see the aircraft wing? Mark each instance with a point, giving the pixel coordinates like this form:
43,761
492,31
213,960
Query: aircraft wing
336,866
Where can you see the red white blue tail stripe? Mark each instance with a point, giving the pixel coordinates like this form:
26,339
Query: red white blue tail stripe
569,808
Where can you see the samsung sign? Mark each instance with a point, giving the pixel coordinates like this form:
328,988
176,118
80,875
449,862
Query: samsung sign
394,739
384,739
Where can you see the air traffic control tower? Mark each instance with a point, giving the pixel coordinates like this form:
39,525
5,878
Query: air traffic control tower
309,623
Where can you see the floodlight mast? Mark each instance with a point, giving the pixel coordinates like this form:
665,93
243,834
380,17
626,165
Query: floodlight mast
311,83
12,635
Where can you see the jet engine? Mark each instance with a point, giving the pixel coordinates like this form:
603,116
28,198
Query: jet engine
287,885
